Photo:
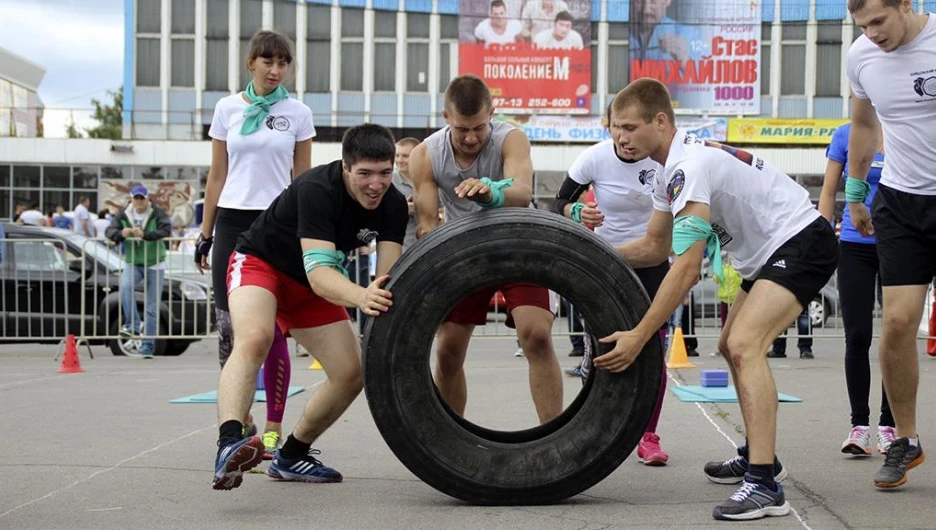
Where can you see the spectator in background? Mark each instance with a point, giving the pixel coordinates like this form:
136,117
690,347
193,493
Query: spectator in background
18,210
83,217
498,28
32,216
141,227
539,16
402,182
561,36
102,222
60,220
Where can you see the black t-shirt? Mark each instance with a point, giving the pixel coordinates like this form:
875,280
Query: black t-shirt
317,206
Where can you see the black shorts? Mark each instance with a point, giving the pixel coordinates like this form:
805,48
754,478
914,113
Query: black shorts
652,277
905,230
804,264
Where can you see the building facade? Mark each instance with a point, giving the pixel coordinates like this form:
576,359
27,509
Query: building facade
20,106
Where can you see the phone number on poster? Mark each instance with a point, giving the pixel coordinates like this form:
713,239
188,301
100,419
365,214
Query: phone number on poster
532,102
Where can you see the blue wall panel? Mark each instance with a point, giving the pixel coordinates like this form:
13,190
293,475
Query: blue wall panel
387,5
448,7
182,106
322,2
320,103
767,10
766,106
829,107
209,100
350,109
794,10
618,10
417,110
418,6
831,10
792,107
353,3
147,106
383,110
596,11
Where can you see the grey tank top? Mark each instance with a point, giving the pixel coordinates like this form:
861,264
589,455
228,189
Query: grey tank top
489,163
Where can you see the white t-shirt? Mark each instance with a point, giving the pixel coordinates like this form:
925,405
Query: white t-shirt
545,40
902,87
485,32
259,164
755,207
623,190
82,214
32,217
100,226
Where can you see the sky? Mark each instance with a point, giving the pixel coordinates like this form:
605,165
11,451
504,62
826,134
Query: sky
80,45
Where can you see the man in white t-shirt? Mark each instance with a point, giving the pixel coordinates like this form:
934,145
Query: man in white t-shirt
723,197
561,36
32,216
83,223
497,28
892,70
539,15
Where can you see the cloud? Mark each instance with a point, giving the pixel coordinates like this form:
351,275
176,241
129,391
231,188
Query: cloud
80,43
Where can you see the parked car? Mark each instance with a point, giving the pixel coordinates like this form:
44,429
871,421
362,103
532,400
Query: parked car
54,281
705,299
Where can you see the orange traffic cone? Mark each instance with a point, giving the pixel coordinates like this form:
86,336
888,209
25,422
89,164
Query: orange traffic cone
70,363
931,342
678,358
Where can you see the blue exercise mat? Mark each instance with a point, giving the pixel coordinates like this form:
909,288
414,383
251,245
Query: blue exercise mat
718,394
212,397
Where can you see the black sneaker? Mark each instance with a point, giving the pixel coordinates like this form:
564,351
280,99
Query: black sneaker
576,353
776,355
732,471
752,501
692,353
900,458
806,354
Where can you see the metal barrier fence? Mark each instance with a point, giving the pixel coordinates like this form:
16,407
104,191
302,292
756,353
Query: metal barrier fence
56,283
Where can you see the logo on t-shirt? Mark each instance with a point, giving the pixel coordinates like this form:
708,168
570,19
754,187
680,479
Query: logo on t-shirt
723,236
646,175
279,123
676,185
366,235
925,87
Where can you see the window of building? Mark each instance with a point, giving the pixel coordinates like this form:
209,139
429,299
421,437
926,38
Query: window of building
448,46
829,59
148,16
56,177
618,60
27,176
183,62
251,19
147,62
417,52
318,48
216,46
183,17
284,21
5,124
86,178
793,59
594,58
766,32
4,176
385,33
352,49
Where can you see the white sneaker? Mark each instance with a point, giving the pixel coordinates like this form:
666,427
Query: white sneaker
519,352
886,436
858,441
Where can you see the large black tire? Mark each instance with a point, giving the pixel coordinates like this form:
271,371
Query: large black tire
549,462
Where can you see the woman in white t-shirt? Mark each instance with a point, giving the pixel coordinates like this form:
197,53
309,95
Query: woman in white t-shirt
261,140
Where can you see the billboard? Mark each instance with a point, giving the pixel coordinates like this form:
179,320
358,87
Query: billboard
535,55
707,52
590,129
816,131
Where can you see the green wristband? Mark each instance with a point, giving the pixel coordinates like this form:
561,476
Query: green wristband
576,213
497,192
856,190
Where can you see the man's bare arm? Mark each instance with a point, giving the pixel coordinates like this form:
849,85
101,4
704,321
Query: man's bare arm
654,247
425,191
862,140
518,165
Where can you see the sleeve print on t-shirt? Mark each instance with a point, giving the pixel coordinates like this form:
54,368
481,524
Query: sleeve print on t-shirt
687,183
317,213
660,201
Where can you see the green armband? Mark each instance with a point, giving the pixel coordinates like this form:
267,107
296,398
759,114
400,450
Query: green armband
497,192
576,213
317,257
689,230
856,190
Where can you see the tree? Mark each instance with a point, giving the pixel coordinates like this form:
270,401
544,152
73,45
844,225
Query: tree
71,130
109,117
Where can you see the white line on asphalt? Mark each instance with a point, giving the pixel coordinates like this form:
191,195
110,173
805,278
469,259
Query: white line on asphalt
104,509
14,383
118,464
732,442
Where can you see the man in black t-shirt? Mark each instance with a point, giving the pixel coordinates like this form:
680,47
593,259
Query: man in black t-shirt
287,269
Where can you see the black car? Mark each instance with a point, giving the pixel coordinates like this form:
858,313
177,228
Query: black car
55,282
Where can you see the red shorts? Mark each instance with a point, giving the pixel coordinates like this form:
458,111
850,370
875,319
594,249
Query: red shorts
474,309
297,306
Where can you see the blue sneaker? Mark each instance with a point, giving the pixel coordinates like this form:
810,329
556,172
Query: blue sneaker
305,469
234,459
752,501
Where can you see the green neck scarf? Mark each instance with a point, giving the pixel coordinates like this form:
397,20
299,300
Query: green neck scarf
259,107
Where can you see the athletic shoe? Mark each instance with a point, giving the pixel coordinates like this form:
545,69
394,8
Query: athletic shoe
576,353
234,459
519,352
732,471
574,372
304,469
649,452
858,441
271,442
806,354
900,458
886,436
250,428
126,332
776,355
692,353
752,501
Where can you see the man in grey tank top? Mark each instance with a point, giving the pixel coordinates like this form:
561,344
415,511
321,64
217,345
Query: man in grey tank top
471,165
